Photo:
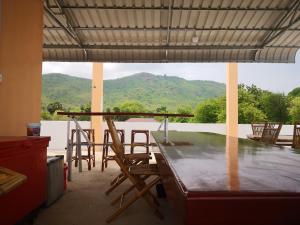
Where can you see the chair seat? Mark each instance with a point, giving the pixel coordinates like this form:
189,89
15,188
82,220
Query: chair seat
137,156
144,169
284,143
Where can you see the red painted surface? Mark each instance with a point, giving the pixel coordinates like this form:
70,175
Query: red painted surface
26,155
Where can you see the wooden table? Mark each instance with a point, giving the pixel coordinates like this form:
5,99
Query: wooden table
9,180
212,179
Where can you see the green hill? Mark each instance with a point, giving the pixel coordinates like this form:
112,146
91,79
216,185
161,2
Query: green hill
151,90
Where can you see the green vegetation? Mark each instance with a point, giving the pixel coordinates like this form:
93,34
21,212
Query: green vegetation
149,93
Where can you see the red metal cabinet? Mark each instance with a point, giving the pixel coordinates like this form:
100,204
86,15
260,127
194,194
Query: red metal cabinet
26,155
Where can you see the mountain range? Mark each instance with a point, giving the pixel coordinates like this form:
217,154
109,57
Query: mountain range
151,90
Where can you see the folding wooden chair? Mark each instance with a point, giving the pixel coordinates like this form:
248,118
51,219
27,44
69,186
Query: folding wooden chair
137,174
296,136
257,128
271,132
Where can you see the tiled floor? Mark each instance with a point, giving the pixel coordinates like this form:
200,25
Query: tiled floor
85,203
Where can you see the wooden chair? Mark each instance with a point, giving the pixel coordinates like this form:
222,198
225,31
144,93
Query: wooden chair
271,132
141,144
296,136
91,155
137,174
106,142
257,128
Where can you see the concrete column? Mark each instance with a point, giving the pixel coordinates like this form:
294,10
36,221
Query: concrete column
232,100
21,41
97,101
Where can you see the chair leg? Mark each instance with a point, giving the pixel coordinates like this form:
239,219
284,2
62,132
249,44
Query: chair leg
126,192
120,181
76,158
89,158
116,178
102,161
94,157
141,193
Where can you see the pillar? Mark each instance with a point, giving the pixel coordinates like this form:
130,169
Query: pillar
232,99
232,163
21,43
97,101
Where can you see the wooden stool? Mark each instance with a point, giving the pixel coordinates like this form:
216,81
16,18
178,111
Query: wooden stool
143,144
89,157
106,143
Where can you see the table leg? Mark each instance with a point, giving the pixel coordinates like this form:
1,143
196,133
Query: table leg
166,135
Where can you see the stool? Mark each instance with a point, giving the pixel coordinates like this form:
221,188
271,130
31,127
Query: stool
106,143
89,157
143,144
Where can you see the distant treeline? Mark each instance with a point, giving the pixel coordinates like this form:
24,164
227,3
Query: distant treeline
255,105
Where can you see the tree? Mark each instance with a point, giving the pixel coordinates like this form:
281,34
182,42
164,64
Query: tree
207,111
161,109
182,110
55,106
294,93
248,113
132,106
85,108
294,110
45,115
275,107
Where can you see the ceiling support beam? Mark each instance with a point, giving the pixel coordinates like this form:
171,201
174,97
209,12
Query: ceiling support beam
98,7
156,47
143,29
169,23
69,25
272,35
164,47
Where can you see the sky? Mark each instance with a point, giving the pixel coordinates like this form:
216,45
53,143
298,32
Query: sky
269,76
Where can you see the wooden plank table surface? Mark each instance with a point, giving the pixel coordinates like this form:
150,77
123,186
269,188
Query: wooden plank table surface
9,180
212,179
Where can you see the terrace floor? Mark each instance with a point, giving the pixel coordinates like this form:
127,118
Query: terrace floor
85,202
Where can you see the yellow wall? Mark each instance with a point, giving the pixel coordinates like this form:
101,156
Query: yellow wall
232,100
97,100
21,38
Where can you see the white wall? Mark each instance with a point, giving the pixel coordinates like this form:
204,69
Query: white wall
57,130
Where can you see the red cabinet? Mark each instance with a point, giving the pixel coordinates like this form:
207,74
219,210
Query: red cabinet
26,155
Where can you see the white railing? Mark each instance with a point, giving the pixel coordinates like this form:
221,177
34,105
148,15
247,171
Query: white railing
57,130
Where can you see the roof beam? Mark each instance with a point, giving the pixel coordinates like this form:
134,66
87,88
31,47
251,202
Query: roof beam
169,23
62,26
69,27
171,28
286,16
281,32
155,47
98,7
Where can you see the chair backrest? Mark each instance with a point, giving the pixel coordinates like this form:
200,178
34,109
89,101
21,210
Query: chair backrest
296,136
117,145
257,128
271,132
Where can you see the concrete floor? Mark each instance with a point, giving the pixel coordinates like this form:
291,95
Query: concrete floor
85,203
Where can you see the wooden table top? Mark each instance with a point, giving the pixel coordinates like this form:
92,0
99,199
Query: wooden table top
281,138
9,180
208,162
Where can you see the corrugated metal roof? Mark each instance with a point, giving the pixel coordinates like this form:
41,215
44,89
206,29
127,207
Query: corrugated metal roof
171,30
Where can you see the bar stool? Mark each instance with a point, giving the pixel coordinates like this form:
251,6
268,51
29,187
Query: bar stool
106,143
90,156
142,144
